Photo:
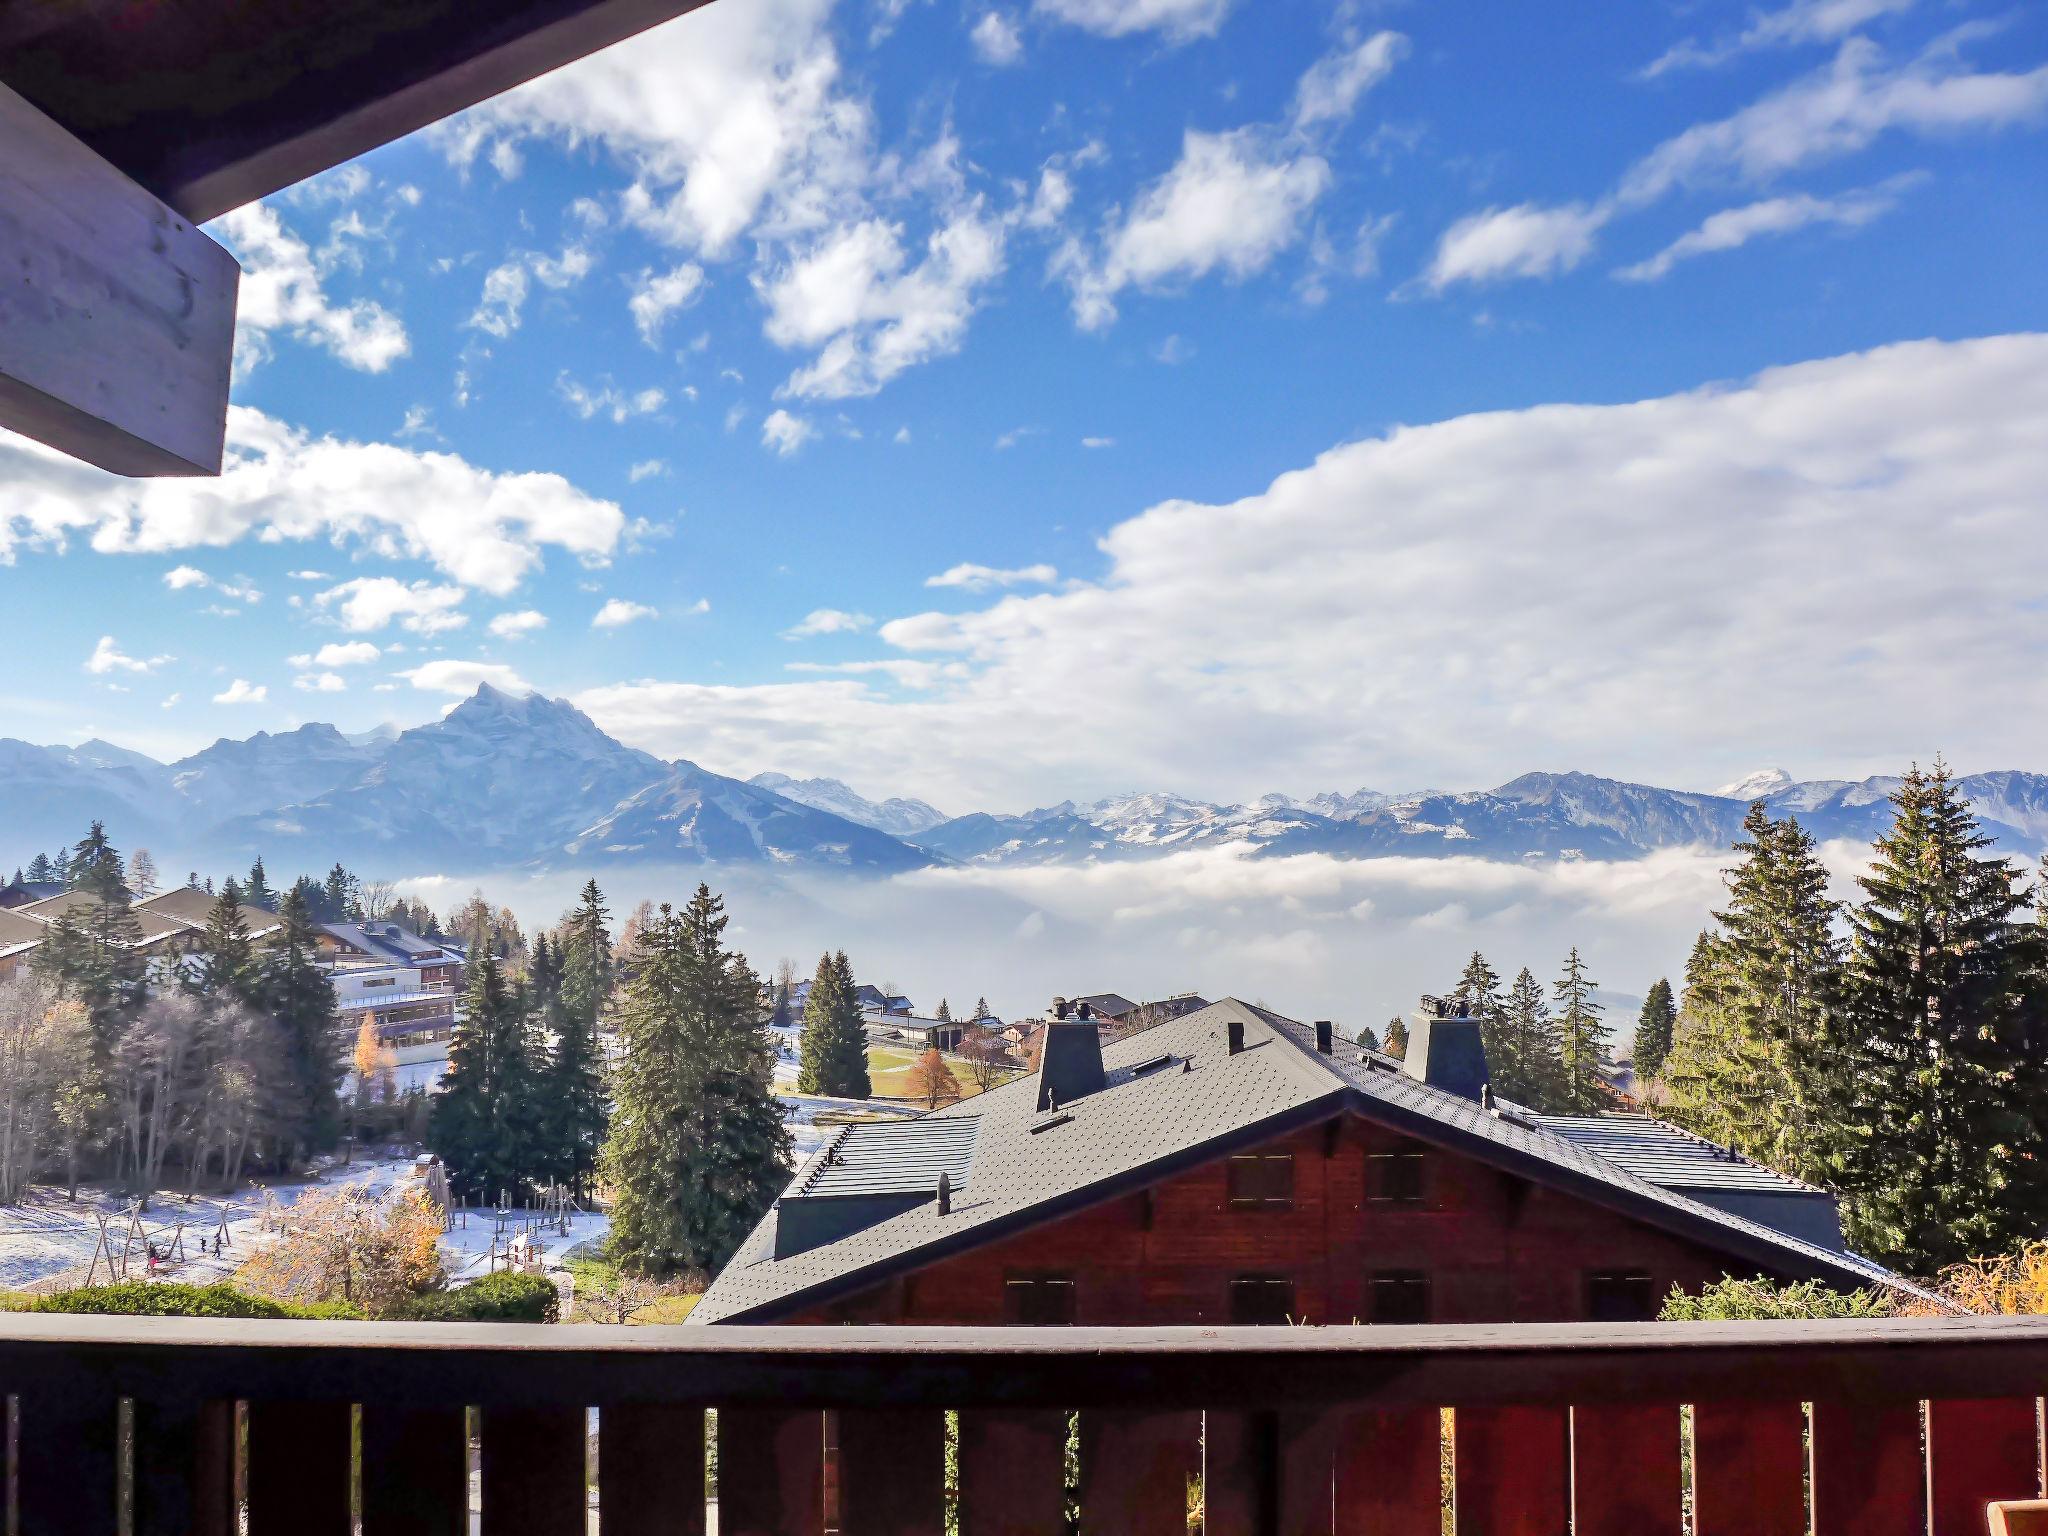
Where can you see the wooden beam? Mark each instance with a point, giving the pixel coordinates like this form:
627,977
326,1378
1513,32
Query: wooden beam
117,317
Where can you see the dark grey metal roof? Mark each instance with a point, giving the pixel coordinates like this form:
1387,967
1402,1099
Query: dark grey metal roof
892,1157
1141,1126
1666,1155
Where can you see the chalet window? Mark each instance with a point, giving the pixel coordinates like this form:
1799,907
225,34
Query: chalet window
1039,1301
1620,1296
1262,1181
1400,1296
1261,1300
1397,1178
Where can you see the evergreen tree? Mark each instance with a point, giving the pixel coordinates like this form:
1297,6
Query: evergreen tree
574,1092
142,877
1948,1154
1578,1026
698,1150
783,1014
585,950
192,881
300,997
337,896
980,1009
945,1013
40,870
1654,1028
96,868
1759,1062
485,1122
258,892
1368,1038
223,963
93,953
835,1044
1532,1070
1479,990
1397,1037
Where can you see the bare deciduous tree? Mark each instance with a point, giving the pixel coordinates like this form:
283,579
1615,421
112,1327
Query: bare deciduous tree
44,1045
345,1245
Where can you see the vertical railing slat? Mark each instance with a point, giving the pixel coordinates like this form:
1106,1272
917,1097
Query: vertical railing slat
1868,1475
1626,1471
415,1471
1012,1473
1749,1469
68,1474
1134,1471
535,1471
650,1470
1979,1450
892,1471
299,1466
771,1472
1240,1473
184,1468
1512,1471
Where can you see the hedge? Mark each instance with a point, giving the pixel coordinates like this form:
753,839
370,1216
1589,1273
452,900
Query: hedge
148,1298
506,1297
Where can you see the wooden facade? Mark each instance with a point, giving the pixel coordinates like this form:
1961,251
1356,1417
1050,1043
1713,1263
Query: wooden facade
1339,1223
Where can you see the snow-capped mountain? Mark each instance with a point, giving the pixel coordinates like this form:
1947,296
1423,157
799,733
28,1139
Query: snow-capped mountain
692,816
1760,785
228,777
897,817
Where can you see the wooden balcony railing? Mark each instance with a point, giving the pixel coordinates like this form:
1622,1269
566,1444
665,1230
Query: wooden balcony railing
149,1426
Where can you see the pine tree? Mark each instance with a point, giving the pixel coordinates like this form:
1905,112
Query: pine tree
1397,1037
40,870
945,1013
585,947
981,1009
1578,1025
1758,1062
1948,1153
95,867
142,877
698,1148
574,1090
835,1044
300,997
1479,990
223,963
1532,1073
338,896
257,893
1368,1037
1654,1027
485,1122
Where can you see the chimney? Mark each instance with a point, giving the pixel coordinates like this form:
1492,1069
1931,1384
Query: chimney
1446,1050
1070,1065
945,1194
1085,1011
1325,1037
1059,1007
1235,1030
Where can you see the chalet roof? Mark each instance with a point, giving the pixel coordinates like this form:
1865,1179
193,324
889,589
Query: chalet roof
191,907
1173,1097
1113,1005
18,933
389,941
1666,1155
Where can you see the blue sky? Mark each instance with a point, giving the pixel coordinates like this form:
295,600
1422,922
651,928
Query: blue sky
1134,316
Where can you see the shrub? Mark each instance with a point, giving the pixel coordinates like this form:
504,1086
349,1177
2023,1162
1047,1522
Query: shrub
144,1298
1761,1300
2011,1283
506,1297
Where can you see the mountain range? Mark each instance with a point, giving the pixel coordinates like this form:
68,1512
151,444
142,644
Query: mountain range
502,782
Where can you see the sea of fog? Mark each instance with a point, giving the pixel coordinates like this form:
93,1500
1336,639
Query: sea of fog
1311,936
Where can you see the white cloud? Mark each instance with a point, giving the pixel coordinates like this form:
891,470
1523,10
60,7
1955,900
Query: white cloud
241,691
785,433
1735,227
828,621
340,653
503,298
996,39
980,578
1786,517
1010,439
646,469
617,613
108,657
1233,202
309,576
282,291
461,677
1179,20
1173,351
479,527
1098,442
171,701
184,576
1524,241
657,295
1803,21
608,399
512,626
371,603
321,682
1836,111
1330,90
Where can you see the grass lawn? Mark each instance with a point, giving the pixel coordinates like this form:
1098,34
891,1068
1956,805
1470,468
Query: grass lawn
889,1073
668,1309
